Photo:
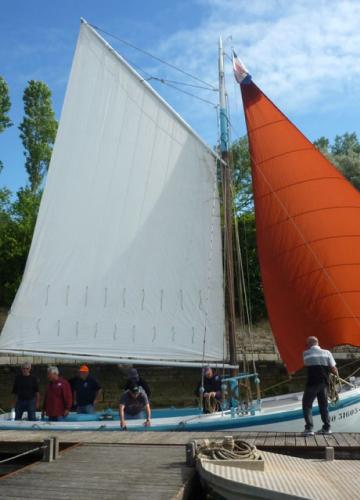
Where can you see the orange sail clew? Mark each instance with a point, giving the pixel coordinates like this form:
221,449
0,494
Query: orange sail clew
308,234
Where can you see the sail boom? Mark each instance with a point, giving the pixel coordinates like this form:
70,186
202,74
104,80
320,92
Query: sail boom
119,360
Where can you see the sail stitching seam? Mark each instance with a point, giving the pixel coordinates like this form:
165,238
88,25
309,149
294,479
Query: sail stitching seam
304,181
256,164
299,214
311,242
266,125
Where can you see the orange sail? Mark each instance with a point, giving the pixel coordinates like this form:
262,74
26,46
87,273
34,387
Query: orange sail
308,234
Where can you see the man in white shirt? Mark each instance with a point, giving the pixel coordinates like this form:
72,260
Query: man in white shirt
320,363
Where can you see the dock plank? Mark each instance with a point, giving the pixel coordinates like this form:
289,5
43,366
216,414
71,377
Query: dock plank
106,472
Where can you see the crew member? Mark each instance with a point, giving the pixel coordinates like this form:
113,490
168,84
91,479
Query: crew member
26,393
87,391
134,404
58,397
211,387
320,363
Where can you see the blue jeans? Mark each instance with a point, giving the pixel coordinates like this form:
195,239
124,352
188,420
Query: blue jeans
27,405
86,409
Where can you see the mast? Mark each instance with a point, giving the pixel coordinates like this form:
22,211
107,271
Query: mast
228,234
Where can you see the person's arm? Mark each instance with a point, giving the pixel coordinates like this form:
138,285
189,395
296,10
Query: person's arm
217,387
334,370
37,393
147,422
67,395
37,400
14,392
332,364
43,411
122,416
98,396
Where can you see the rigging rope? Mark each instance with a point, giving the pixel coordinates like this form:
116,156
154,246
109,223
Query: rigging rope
156,58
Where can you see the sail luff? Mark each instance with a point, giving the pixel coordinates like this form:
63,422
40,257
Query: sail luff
308,234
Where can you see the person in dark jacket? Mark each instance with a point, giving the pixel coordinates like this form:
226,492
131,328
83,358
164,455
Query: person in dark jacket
133,377
26,393
58,397
210,387
86,391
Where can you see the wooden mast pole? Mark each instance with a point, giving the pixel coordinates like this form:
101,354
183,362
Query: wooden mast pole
228,234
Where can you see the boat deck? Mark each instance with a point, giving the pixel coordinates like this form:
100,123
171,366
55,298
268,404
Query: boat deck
286,477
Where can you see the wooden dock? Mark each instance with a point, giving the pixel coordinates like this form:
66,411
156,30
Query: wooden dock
129,465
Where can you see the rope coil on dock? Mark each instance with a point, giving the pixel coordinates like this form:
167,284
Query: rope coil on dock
228,449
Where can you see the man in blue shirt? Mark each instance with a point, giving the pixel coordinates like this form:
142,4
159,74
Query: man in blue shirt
320,363
87,391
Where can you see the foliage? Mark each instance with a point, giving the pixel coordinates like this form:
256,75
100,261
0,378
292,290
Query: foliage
5,105
242,183
17,222
344,153
38,131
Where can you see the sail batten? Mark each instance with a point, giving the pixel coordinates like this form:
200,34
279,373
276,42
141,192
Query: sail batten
308,229
128,221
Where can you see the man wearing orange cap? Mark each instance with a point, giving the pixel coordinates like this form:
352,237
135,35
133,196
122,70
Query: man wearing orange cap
87,391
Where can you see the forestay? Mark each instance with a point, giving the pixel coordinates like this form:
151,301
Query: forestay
126,259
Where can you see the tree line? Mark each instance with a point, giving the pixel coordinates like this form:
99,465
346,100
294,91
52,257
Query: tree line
18,211
37,130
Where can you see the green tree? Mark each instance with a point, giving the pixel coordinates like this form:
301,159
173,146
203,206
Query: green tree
344,153
346,157
38,131
242,182
17,222
5,105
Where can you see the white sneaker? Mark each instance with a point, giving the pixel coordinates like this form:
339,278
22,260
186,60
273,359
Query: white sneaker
308,433
324,431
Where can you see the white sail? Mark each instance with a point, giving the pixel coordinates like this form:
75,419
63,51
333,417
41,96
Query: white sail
125,262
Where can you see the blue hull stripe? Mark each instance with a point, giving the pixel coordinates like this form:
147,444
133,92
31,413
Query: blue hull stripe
221,424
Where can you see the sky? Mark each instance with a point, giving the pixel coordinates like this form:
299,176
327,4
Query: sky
304,54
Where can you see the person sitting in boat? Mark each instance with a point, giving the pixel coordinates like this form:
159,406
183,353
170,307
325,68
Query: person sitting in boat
26,393
320,363
58,397
210,387
133,404
134,377
86,391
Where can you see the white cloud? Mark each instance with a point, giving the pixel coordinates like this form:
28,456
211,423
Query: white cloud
304,54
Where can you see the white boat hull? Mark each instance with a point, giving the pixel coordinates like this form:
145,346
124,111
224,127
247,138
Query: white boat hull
279,414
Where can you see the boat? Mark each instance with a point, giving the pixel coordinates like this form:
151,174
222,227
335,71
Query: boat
276,476
126,261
